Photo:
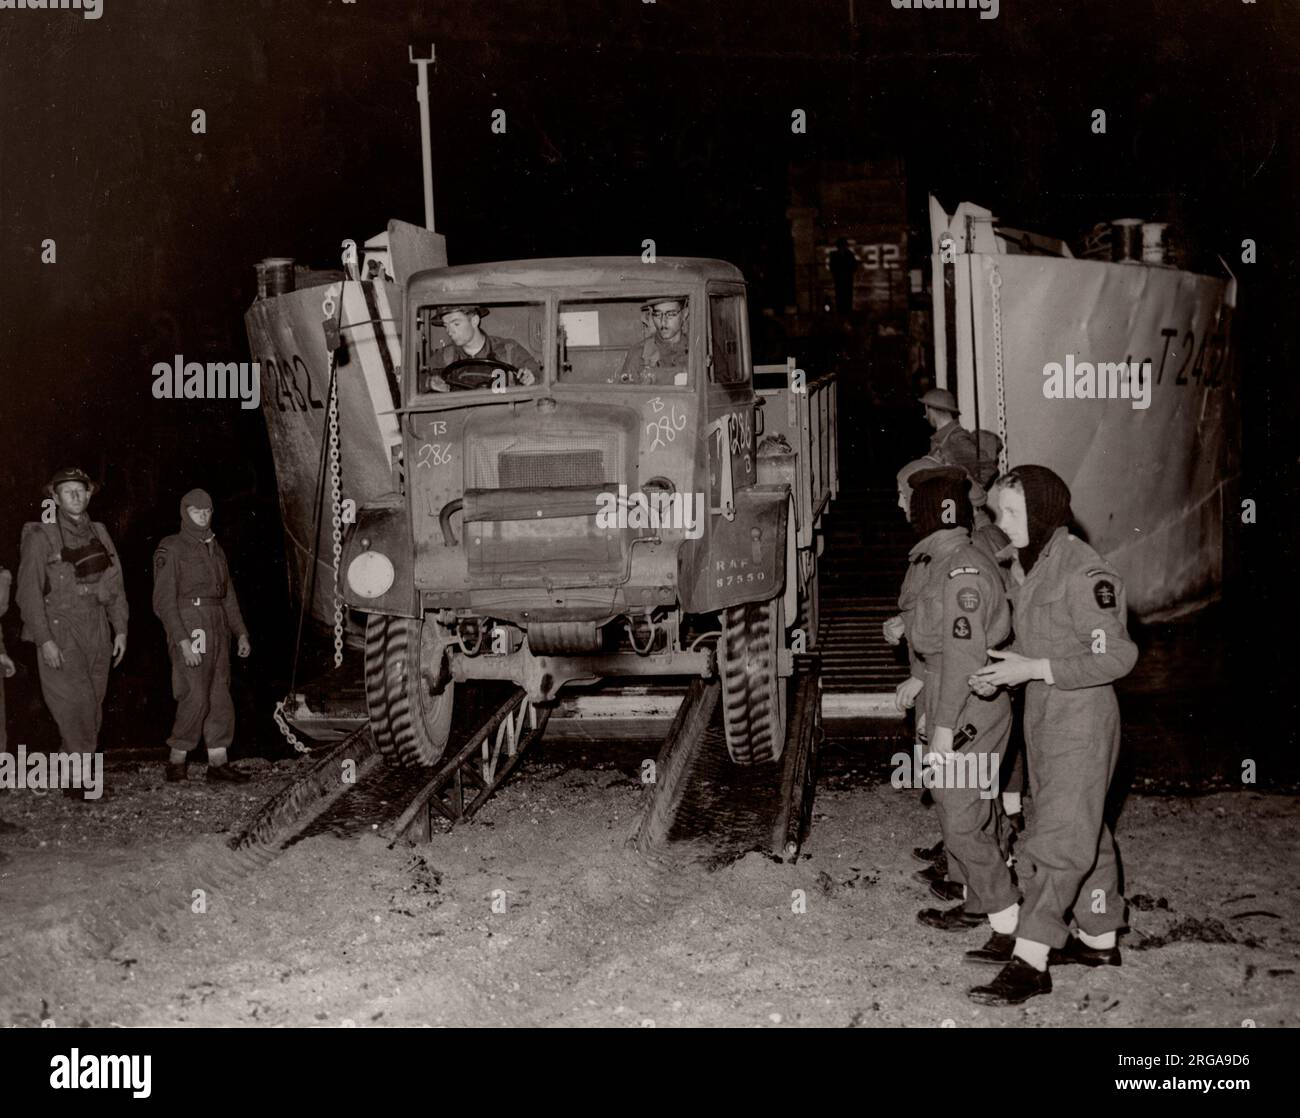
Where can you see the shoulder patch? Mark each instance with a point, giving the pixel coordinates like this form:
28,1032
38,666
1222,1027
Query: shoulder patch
160,559
961,629
1096,572
956,571
968,598
1103,590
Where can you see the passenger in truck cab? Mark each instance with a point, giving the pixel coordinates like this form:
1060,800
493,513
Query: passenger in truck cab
664,346
468,342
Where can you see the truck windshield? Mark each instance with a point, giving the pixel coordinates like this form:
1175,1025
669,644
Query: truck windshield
624,341
479,346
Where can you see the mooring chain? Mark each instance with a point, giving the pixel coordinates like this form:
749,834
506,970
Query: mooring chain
336,515
283,725
995,281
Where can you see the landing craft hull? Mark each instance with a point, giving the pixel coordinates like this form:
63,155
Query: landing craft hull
1150,485
285,335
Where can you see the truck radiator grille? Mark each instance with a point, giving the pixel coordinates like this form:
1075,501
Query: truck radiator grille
551,469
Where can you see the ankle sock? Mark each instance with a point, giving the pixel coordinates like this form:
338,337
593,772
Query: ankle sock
1035,954
1005,922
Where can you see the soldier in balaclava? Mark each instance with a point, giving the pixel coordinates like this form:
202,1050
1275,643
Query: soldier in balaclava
195,600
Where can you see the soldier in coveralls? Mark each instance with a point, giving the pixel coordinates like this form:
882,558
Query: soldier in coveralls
467,341
74,610
195,600
664,348
954,610
1071,645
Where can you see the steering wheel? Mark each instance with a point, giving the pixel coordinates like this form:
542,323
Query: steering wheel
477,372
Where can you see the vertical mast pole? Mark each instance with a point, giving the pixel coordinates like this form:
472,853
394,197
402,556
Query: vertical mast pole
426,143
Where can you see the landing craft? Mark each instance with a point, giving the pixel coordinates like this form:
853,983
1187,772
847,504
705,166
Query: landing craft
1151,485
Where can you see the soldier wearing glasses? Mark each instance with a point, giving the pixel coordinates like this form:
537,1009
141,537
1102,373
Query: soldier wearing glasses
664,346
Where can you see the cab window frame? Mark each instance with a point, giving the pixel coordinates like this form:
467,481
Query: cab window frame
415,364
695,336
745,381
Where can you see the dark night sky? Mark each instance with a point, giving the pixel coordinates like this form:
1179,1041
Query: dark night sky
626,120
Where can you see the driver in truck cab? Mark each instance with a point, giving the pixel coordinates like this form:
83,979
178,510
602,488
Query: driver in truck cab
664,346
468,342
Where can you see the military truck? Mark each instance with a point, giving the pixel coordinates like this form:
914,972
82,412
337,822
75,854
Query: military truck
603,507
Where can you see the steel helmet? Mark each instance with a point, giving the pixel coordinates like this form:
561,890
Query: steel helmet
941,399
69,473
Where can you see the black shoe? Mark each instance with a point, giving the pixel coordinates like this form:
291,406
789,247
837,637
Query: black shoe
949,919
997,951
936,872
1016,982
1017,822
928,853
1076,951
226,772
7,828
176,772
947,891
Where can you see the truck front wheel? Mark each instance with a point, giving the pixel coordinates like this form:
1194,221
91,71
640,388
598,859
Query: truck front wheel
411,725
754,697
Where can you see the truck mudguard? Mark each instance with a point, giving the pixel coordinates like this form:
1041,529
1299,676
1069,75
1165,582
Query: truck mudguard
740,560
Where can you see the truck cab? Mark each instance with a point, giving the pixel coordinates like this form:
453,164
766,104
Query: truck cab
583,492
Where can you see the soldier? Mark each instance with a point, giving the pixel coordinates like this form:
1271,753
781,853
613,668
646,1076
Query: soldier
195,600
991,540
7,669
665,344
74,609
954,611
1071,645
466,341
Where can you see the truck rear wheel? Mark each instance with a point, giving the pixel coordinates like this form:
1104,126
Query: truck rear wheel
754,700
410,724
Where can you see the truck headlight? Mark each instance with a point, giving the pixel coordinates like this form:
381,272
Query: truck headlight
371,574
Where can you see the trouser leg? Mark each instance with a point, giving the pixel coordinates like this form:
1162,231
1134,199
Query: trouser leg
191,688
1067,857
219,725
968,810
70,691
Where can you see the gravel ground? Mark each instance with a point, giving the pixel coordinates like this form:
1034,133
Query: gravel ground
537,914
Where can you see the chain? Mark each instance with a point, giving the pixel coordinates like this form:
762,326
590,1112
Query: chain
995,281
284,727
336,516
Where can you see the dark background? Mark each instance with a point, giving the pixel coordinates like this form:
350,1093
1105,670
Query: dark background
626,120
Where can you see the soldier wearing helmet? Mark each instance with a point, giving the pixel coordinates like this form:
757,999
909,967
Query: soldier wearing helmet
951,443
74,609
664,346
467,341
